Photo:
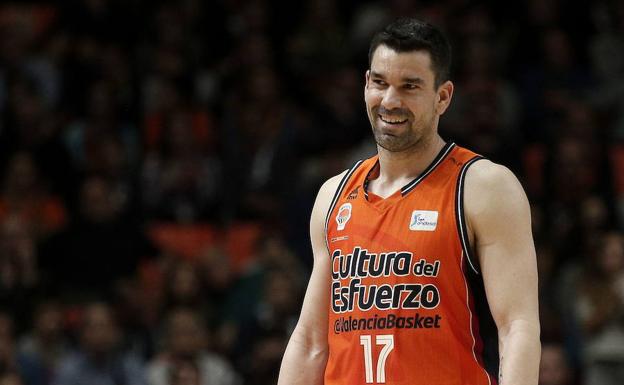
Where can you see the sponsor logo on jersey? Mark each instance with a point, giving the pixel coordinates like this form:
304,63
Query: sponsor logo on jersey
352,289
389,321
354,194
343,216
423,220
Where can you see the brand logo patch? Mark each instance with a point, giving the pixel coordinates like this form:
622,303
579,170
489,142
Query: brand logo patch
423,220
354,193
344,214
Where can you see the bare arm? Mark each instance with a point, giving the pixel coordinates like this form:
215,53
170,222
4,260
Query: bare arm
498,215
306,354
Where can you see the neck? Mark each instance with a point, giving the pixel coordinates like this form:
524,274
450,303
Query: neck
407,165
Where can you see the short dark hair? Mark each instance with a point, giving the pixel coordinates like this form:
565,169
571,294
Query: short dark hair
409,34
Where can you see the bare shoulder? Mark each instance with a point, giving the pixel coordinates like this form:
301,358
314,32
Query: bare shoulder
326,193
331,185
489,185
319,212
494,200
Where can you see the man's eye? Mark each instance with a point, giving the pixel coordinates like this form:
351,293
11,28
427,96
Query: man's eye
379,82
410,86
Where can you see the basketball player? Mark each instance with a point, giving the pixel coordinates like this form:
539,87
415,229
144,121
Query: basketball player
424,264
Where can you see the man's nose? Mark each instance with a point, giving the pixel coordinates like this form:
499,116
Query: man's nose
391,99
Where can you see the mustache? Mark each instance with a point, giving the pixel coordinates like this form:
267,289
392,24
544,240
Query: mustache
394,112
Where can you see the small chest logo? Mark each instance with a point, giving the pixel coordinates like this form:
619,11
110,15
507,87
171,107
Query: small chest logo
354,193
423,220
344,214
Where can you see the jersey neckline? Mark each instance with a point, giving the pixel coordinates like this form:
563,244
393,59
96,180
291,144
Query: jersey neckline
444,151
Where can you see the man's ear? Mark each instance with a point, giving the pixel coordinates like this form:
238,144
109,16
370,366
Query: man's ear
445,94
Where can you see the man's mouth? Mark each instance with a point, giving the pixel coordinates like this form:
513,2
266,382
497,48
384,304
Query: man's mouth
392,119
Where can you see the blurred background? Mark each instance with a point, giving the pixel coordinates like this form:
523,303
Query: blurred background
159,161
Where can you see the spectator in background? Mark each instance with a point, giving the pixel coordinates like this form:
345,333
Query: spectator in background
547,88
265,358
99,250
218,278
555,368
259,146
186,356
105,143
274,318
319,41
336,95
24,196
485,111
573,176
29,126
19,270
595,218
100,358
184,288
241,301
607,62
250,291
550,317
181,170
40,351
8,362
599,306
101,123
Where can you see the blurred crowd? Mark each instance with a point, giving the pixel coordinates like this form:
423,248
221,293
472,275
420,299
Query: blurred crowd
159,161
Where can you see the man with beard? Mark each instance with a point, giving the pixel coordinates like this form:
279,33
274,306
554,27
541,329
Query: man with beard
424,251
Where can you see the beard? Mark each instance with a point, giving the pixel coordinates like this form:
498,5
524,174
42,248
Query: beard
410,136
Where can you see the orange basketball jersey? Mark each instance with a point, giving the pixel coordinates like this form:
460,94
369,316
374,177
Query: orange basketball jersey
408,304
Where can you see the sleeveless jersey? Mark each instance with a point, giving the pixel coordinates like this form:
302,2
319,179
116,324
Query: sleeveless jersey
408,304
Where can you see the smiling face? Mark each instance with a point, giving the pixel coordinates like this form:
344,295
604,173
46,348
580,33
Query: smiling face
402,101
